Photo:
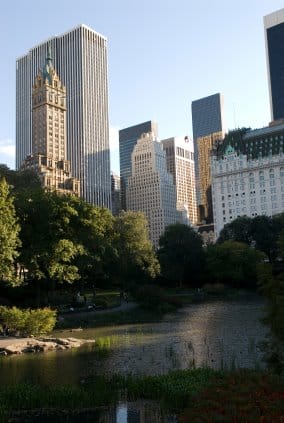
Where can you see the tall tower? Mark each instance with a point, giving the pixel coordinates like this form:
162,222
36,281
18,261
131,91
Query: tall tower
150,187
274,43
128,138
80,58
208,126
180,164
48,156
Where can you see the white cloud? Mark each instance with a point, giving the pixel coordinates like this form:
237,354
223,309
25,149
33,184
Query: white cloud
7,152
7,147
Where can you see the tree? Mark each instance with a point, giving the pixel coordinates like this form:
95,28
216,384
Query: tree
136,258
265,233
238,230
48,250
9,233
233,263
181,254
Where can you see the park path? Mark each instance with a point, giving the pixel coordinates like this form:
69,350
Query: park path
124,306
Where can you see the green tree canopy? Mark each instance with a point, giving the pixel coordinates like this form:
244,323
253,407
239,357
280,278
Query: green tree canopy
233,263
238,230
9,233
181,254
136,258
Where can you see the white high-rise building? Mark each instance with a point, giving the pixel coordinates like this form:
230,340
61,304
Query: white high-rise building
248,175
150,187
180,164
80,58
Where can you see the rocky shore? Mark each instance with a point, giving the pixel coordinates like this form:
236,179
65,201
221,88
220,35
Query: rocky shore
10,346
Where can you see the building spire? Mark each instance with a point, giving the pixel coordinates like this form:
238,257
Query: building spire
46,72
48,57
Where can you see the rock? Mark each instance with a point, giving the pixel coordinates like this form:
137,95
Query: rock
42,345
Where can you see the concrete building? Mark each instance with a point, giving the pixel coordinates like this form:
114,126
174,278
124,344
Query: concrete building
115,194
207,126
48,157
248,175
274,43
80,59
128,138
180,164
150,187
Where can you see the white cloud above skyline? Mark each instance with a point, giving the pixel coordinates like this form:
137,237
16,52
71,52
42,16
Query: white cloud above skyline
7,152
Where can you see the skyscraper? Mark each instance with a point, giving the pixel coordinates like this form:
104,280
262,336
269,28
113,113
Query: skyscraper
48,156
180,164
128,138
150,187
80,58
274,43
208,126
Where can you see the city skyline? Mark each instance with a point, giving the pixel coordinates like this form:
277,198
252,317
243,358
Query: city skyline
164,51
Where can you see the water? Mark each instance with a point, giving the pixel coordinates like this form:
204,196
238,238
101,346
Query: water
220,334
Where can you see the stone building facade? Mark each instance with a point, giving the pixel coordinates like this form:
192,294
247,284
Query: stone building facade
248,175
48,156
150,187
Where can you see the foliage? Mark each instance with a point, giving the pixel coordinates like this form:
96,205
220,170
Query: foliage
261,232
181,254
242,396
238,230
20,179
136,258
27,321
272,286
233,263
194,395
9,231
152,297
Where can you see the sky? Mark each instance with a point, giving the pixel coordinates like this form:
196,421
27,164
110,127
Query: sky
162,55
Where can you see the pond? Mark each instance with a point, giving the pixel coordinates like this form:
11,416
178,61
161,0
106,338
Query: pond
219,334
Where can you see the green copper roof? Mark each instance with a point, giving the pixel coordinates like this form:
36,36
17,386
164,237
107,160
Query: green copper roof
255,144
48,67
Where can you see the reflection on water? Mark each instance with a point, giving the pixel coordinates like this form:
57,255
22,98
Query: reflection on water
216,334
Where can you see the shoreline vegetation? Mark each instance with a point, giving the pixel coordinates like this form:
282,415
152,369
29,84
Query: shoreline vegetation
239,395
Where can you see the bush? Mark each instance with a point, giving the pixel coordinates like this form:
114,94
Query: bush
150,297
28,321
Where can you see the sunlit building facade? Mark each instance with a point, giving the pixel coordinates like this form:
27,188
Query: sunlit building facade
248,175
80,59
48,156
128,138
207,125
180,164
150,187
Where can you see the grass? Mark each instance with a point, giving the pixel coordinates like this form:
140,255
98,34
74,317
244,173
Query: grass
198,395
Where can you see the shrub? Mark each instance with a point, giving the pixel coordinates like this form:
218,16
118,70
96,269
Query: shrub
28,321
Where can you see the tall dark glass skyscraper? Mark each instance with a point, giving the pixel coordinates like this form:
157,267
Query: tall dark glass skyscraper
207,127
274,42
127,140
